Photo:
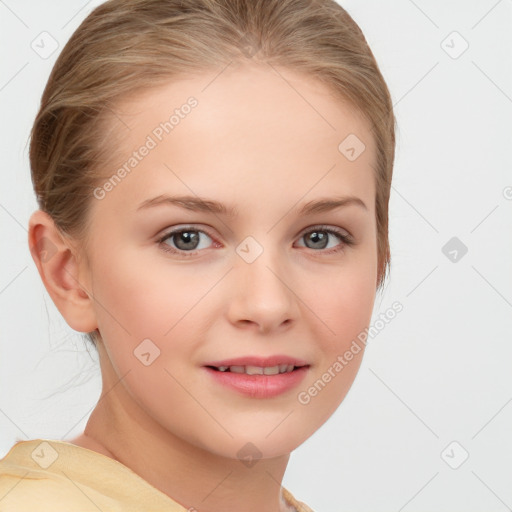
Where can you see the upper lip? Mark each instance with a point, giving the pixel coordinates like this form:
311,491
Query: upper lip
262,362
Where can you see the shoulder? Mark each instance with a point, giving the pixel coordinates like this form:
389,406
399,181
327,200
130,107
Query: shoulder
23,488
35,476
45,475
27,490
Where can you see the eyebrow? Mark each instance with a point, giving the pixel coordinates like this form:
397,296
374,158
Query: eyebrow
211,206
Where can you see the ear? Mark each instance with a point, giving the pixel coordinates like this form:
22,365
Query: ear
65,277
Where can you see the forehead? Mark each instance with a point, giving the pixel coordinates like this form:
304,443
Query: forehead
248,95
273,129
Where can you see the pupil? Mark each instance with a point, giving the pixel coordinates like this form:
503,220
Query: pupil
189,238
320,237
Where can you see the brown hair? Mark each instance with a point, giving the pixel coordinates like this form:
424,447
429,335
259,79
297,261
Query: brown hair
124,46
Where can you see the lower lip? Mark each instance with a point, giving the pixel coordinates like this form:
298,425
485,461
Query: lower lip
259,386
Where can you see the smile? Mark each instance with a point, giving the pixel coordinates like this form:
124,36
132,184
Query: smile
257,370
264,378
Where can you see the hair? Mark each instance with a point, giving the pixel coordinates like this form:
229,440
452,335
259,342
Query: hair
126,46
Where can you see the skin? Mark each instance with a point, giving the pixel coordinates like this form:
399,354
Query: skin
170,420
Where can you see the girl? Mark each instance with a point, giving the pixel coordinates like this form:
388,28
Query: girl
213,179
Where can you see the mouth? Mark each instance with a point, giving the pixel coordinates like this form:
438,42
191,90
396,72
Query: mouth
259,377
258,370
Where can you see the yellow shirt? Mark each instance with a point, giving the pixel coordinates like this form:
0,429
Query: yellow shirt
44,475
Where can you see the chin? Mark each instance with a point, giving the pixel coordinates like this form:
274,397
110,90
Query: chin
254,443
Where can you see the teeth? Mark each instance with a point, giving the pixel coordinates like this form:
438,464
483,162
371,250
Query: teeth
271,370
258,370
254,370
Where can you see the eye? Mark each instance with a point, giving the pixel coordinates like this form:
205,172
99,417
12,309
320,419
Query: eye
318,238
186,241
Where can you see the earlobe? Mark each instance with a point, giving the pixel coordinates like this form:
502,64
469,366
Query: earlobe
61,273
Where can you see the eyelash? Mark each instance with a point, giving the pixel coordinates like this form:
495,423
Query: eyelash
346,240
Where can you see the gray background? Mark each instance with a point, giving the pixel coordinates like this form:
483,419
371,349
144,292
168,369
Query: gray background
435,385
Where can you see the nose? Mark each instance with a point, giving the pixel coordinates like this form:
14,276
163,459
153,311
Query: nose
263,296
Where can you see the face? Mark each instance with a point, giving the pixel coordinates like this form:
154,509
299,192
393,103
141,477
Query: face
179,289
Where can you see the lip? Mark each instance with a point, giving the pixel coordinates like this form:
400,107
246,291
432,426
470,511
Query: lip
259,361
259,386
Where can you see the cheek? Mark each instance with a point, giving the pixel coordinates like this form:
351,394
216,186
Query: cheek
346,309
143,300
347,303
157,303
